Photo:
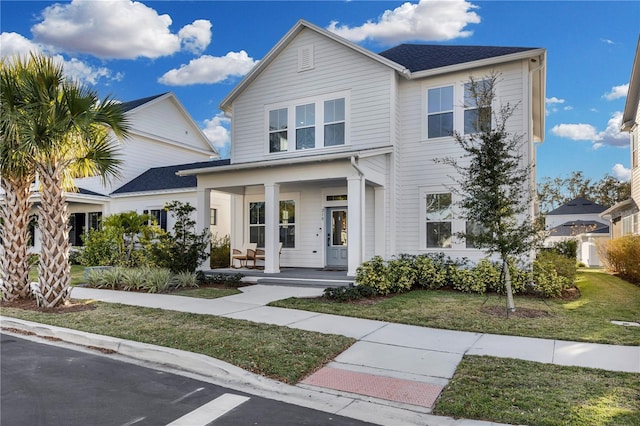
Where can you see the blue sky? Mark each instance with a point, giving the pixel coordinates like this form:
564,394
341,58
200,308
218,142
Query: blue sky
200,49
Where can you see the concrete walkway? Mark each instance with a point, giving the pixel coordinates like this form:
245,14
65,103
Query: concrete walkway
402,366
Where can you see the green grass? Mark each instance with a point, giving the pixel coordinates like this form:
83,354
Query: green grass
77,274
587,319
281,353
523,392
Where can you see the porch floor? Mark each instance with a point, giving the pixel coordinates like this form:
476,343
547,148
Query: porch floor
306,277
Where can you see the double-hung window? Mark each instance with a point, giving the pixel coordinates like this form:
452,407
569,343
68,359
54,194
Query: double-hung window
334,122
278,133
440,112
287,223
439,216
315,123
477,117
160,216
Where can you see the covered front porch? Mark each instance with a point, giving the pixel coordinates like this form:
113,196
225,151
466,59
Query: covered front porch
318,212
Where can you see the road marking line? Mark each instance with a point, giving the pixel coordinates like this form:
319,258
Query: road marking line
187,395
210,411
134,421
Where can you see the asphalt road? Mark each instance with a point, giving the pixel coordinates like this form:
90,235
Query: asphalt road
45,384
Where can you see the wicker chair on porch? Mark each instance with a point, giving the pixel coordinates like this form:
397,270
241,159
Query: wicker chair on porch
244,255
260,255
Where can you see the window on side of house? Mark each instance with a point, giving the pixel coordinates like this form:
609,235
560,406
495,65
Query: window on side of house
305,126
476,119
160,216
634,150
438,217
278,133
334,122
287,223
214,217
472,228
95,219
440,112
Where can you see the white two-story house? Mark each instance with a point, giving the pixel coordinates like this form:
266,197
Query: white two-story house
333,146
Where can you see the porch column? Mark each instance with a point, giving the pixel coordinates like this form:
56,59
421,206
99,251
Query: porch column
271,228
355,219
380,220
203,221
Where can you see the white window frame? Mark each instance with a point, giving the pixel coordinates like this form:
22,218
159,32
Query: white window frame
291,196
320,124
427,113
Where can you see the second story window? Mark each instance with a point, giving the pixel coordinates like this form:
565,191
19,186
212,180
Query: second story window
305,126
477,117
315,123
278,134
440,112
334,122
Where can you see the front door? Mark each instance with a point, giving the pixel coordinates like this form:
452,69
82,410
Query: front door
336,228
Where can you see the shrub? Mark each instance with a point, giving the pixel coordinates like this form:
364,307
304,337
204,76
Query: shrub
346,294
374,273
133,278
622,256
230,280
185,279
547,280
111,278
566,248
401,274
220,251
157,280
564,266
489,273
101,248
429,272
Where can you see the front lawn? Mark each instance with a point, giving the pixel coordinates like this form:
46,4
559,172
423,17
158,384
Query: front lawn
586,319
77,274
523,392
281,353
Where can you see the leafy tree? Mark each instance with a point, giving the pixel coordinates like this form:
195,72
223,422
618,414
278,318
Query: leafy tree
183,249
552,193
66,132
494,183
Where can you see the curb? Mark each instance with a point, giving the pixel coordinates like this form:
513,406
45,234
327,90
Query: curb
224,374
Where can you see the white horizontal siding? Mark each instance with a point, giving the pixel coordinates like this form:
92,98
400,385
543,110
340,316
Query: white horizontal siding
336,68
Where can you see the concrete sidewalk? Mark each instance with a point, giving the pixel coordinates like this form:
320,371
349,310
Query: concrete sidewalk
393,365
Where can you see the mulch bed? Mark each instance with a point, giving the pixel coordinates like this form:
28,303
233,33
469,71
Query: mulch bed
31,305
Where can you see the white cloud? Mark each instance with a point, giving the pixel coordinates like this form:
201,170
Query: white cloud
217,131
568,108
122,29
429,20
554,100
620,172
14,44
607,41
197,36
611,136
209,69
617,92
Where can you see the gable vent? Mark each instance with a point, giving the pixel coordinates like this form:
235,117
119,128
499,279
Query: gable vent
305,58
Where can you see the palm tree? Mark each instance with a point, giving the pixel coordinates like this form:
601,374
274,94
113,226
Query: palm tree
17,173
68,133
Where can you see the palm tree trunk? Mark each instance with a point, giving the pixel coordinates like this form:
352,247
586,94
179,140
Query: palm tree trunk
54,269
14,232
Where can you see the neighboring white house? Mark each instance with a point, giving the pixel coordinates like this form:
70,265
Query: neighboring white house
578,219
625,216
333,146
163,138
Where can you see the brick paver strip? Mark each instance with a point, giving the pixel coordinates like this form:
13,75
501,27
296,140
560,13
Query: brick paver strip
389,388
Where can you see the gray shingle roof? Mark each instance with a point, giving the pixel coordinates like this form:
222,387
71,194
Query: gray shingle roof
162,178
421,57
128,106
578,206
575,227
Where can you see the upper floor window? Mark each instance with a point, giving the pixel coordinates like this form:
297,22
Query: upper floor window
317,123
334,122
440,112
477,117
278,134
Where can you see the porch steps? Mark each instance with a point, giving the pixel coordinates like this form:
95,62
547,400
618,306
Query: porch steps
304,282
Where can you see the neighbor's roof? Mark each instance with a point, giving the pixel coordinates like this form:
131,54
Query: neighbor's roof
577,227
164,178
578,206
422,57
128,106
